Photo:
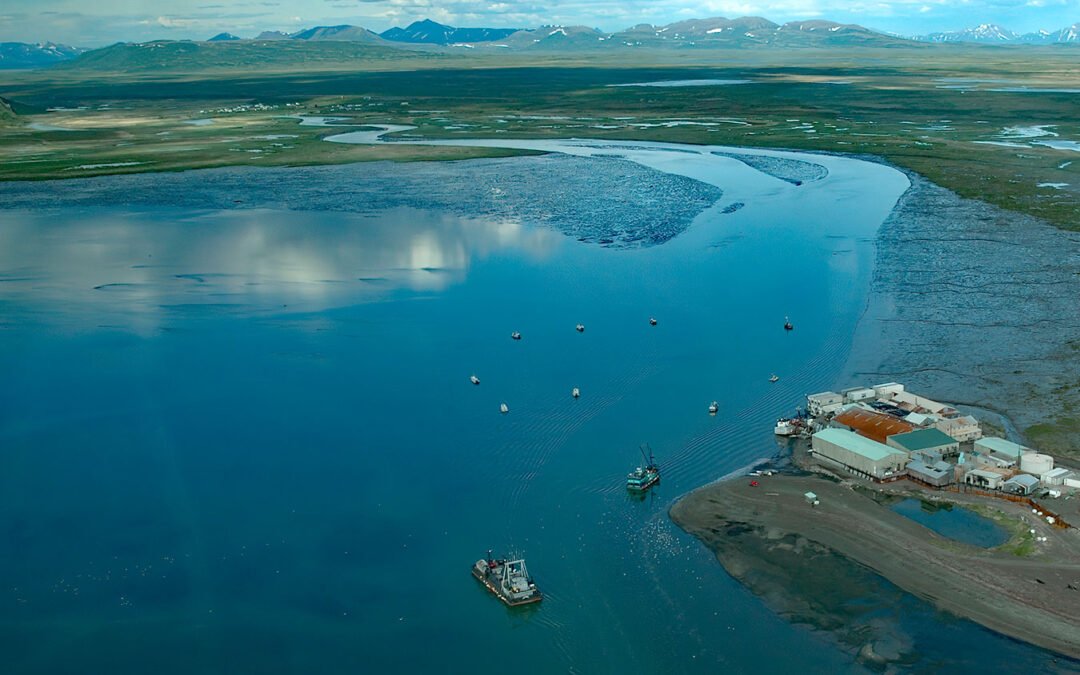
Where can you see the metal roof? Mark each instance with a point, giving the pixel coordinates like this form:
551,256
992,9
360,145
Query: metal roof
873,425
923,439
920,467
1024,479
860,445
995,444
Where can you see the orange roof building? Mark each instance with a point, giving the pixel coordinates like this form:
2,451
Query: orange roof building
873,425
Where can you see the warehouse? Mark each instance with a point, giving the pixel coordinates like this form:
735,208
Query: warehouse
1056,476
1021,484
999,447
874,425
824,403
929,440
938,474
856,394
983,479
913,403
963,429
858,454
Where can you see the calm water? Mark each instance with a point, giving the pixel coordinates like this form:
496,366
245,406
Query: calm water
955,523
245,441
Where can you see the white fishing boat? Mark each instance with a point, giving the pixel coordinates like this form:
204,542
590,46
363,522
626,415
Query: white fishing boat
714,407
580,328
786,427
576,393
652,321
474,379
774,378
503,408
515,335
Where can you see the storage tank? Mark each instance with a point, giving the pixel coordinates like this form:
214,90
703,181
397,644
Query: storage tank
1036,463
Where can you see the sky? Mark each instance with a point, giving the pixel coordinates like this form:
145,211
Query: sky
92,24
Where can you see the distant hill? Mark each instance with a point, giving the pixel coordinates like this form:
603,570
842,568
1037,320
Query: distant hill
24,55
272,35
715,32
342,33
557,38
222,37
989,33
233,54
432,32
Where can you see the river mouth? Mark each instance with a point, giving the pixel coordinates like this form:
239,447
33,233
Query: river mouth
277,396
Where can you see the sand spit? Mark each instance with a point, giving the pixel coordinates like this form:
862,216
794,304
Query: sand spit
1035,599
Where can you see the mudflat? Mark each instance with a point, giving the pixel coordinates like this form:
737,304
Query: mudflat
1033,598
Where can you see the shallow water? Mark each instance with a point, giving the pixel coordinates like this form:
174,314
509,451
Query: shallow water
245,440
955,523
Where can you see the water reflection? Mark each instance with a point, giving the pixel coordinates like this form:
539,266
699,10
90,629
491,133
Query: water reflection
114,266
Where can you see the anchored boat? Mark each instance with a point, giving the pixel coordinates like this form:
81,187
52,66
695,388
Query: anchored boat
787,324
580,328
515,335
503,408
474,379
774,378
652,321
576,393
508,580
643,478
714,407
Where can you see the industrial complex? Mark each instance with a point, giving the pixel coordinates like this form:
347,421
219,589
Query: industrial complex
886,433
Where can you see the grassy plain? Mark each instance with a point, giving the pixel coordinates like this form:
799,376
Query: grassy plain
938,110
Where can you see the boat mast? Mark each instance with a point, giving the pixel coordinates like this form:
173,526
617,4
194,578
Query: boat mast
649,459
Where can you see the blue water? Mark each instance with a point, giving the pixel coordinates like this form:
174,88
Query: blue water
245,441
955,523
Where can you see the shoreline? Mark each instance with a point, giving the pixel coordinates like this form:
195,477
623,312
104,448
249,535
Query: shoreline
1026,598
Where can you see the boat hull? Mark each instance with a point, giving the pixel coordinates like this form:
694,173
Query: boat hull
509,602
643,486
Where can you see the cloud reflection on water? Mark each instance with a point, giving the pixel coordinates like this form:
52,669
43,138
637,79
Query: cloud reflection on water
132,268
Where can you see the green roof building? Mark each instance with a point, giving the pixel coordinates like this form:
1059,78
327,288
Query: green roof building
929,441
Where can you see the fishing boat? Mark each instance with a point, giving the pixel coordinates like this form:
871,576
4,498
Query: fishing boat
799,425
474,379
508,580
785,427
580,328
643,478
503,408
714,407
774,378
652,321
787,324
515,335
576,393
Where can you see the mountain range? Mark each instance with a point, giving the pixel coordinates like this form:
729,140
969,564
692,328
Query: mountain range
24,55
994,34
742,32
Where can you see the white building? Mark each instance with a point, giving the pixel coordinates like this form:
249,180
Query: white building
824,403
888,389
1057,476
856,394
999,447
963,429
858,453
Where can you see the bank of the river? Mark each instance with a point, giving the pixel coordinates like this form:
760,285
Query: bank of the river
976,305
1029,598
